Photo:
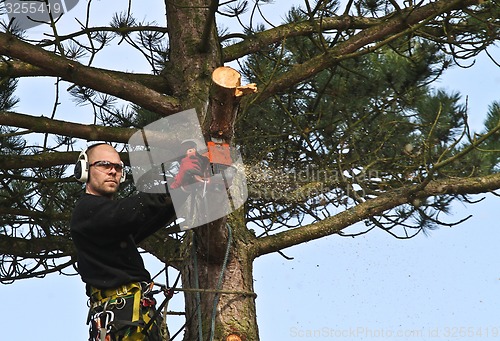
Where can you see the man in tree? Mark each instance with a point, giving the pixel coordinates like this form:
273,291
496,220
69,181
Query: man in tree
106,233
344,87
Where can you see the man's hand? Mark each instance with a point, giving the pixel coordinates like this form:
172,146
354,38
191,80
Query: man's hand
191,165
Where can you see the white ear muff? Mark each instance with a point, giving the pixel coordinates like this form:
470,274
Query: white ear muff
124,175
81,171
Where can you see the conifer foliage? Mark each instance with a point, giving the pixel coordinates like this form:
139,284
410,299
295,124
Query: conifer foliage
348,125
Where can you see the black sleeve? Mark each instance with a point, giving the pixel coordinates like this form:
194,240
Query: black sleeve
140,215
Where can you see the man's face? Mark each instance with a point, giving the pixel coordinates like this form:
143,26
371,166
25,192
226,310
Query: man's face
104,179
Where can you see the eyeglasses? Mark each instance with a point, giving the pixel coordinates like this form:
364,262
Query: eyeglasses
106,166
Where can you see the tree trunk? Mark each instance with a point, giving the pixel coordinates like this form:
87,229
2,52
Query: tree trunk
217,270
194,51
194,55
217,274
225,96
219,265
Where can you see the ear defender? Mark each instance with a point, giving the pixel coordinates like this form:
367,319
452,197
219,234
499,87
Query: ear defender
124,176
81,171
82,167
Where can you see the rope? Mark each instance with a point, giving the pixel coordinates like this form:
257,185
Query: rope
225,292
169,292
217,291
197,286
221,278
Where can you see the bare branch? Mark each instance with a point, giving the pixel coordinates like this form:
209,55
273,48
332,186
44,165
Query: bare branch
257,41
77,73
17,69
118,30
89,132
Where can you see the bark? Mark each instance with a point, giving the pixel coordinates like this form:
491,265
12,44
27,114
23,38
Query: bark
224,101
96,79
90,132
258,41
20,69
44,160
193,59
234,298
407,21
28,248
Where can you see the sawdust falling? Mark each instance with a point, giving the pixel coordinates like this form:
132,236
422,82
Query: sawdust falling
272,183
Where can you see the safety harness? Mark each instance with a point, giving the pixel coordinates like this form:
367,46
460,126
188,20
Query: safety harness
126,313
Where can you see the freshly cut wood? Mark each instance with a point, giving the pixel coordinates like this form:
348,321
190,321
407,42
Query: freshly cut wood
245,90
226,77
225,97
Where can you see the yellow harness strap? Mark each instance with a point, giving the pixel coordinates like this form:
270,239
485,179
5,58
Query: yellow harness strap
99,297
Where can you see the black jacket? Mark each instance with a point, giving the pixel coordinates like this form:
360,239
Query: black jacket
106,233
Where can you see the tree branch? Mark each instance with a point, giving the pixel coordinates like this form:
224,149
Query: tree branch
33,247
258,41
372,207
43,160
100,29
407,20
17,69
88,132
207,29
164,247
34,214
77,73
